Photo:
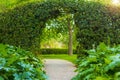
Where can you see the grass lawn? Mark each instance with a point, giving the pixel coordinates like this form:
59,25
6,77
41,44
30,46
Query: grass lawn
60,56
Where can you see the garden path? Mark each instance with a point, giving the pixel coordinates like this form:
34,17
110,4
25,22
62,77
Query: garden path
58,69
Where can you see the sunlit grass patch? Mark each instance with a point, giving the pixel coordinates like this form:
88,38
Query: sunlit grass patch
60,56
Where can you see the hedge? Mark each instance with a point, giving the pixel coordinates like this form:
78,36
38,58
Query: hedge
54,51
96,22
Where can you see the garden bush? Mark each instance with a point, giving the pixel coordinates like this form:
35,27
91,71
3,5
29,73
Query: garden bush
18,64
102,63
96,22
23,24
54,51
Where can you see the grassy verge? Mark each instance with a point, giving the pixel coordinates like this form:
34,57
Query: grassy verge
60,56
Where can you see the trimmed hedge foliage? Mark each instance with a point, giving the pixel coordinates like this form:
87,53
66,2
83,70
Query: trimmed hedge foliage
96,22
55,51
23,25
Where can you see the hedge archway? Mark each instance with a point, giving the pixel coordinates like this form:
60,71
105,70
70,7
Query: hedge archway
23,25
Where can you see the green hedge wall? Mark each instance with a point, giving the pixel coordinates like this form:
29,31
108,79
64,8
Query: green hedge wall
97,23
20,26
23,25
54,51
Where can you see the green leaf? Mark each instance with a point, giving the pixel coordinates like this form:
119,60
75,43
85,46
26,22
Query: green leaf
1,78
102,47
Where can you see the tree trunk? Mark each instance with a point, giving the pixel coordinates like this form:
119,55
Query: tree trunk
70,50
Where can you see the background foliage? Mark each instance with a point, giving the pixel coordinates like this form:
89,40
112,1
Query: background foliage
55,35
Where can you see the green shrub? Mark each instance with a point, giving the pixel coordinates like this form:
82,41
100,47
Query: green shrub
18,64
102,63
23,25
54,51
97,22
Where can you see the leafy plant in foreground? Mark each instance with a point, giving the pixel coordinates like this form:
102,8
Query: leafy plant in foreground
102,63
18,64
